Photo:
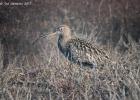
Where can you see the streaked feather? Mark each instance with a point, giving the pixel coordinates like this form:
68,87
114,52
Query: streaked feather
83,52
78,50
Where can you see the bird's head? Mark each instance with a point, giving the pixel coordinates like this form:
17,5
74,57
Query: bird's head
63,30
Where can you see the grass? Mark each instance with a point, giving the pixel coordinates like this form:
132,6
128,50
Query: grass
51,77
41,72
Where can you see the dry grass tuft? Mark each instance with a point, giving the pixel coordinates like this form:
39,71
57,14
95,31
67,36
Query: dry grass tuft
40,71
55,78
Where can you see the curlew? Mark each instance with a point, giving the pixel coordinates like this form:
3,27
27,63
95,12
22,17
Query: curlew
78,50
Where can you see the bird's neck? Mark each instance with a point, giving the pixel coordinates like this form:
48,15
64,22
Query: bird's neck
61,44
63,39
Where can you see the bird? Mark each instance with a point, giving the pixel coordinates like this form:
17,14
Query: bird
77,50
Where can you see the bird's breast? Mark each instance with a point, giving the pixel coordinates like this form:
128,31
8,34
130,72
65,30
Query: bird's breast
62,47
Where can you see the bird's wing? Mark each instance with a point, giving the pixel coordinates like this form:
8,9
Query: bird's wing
81,51
100,54
86,52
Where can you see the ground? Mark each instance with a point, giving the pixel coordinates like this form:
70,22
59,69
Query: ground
40,72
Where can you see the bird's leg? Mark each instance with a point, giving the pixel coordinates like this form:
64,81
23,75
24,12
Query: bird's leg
80,72
70,71
94,73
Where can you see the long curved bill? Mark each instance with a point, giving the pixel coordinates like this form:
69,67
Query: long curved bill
44,36
52,34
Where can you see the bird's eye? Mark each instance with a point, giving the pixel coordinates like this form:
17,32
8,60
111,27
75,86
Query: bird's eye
60,28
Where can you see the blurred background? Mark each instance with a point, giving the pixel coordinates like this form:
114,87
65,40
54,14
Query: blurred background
106,22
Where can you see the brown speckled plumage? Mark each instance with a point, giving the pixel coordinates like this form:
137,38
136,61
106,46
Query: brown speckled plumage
78,50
